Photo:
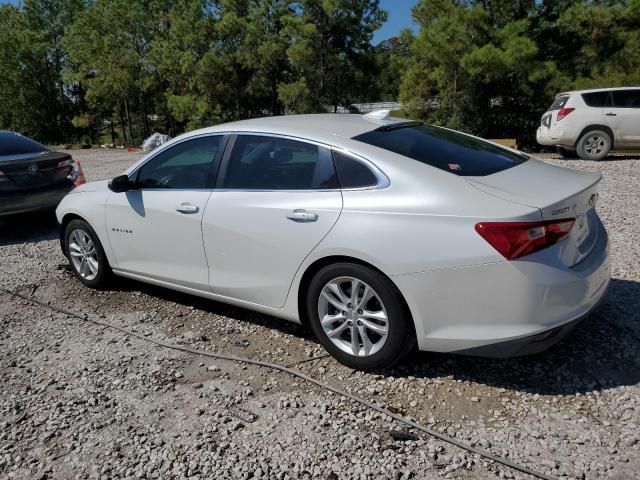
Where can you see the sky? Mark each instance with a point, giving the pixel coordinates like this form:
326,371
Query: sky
399,17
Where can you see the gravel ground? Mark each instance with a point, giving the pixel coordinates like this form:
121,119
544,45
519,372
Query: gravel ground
82,401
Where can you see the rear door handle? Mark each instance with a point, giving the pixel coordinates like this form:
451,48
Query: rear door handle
300,215
610,114
187,208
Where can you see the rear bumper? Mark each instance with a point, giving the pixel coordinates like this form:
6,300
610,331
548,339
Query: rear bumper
505,308
528,345
565,136
32,200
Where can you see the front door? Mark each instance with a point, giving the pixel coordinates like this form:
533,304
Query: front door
277,198
622,115
156,229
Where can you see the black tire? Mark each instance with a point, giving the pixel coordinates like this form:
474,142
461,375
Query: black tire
594,145
400,338
103,269
566,153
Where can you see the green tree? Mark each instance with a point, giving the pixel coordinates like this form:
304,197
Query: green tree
108,45
478,72
330,43
393,56
33,98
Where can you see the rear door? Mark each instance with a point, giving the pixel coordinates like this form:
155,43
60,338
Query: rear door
622,115
156,229
276,199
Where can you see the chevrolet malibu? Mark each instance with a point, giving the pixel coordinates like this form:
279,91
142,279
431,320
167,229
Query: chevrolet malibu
378,233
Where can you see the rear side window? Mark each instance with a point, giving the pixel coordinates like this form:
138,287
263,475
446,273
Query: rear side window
271,163
626,98
595,99
445,149
559,102
14,144
353,173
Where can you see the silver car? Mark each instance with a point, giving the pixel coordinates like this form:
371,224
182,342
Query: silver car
379,233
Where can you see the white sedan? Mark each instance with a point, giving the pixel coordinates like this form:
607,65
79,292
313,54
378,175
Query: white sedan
379,233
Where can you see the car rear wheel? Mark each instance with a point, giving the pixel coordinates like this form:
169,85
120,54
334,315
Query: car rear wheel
85,254
357,315
594,145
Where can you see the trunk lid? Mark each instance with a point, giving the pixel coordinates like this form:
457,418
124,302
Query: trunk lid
27,171
558,193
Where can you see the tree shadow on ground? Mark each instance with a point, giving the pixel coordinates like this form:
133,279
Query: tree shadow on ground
614,157
28,228
603,351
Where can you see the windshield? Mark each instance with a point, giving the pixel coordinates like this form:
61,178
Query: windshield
445,149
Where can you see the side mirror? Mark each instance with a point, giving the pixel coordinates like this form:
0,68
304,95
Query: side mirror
120,184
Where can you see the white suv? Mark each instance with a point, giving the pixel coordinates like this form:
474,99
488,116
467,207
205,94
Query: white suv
590,123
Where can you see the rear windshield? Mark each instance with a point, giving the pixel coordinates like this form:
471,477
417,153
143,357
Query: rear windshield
14,144
444,149
559,103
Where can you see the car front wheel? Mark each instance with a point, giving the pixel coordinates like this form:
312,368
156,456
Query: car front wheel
85,254
594,145
357,315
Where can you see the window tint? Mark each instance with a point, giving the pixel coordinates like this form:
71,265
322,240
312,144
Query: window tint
559,103
270,163
626,98
445,149
595,99
353,173
185,165
15,144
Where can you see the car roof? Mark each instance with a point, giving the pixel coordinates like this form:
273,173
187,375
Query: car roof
572,92
321,127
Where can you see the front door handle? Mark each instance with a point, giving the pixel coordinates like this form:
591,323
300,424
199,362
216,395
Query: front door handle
610,114
187,208
300,215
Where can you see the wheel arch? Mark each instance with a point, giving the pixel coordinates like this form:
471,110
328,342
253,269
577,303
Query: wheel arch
597,126
320,263
66,219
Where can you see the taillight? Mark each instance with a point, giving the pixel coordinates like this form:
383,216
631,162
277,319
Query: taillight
65,163
563,112
78,175
72,170
515,239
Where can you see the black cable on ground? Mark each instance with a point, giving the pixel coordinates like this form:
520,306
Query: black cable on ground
295,373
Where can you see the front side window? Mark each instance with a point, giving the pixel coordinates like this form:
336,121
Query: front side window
626,98
187,165
445,149
271,163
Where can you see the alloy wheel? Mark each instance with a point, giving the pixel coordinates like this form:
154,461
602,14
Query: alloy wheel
353,316
595,145
84,255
